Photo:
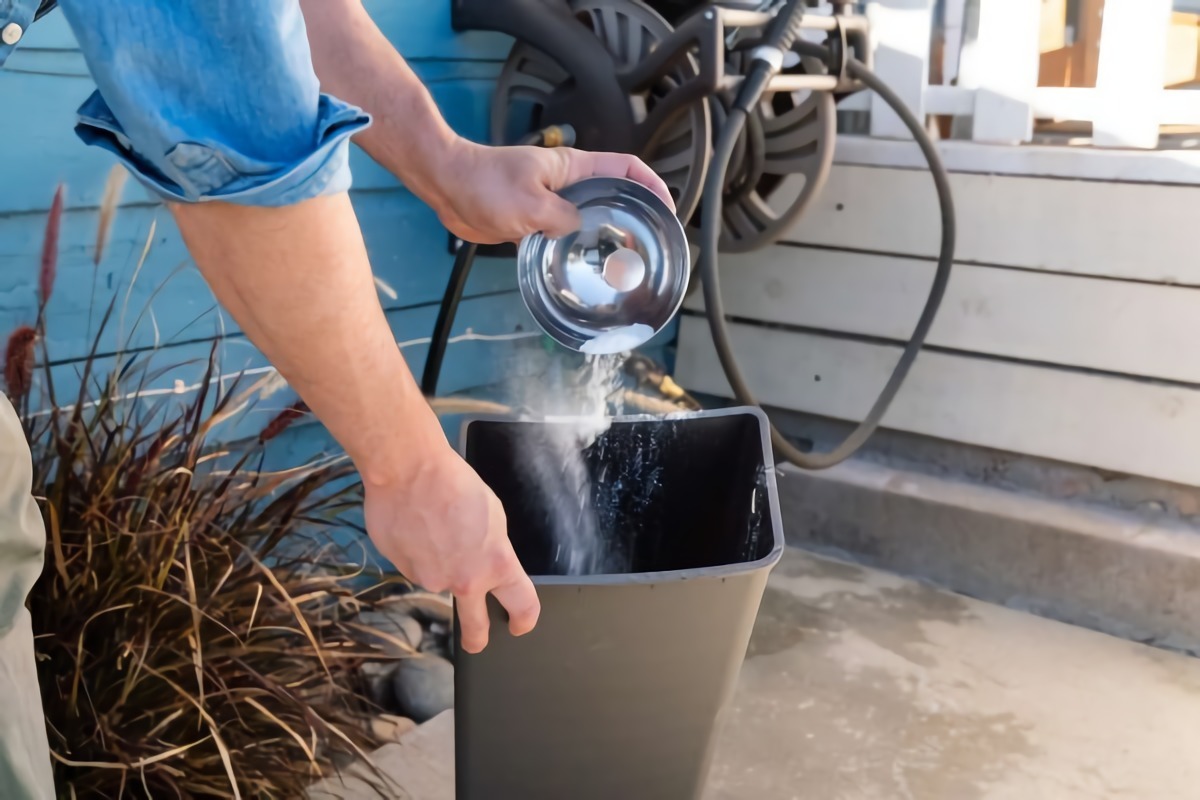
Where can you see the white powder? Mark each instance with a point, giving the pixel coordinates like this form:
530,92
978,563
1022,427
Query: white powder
618,340
555,465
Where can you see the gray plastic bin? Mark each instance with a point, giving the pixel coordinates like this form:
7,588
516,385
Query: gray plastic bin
617,693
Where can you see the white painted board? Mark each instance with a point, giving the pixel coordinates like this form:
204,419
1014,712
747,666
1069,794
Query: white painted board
1038,161
1116,424
1131,72
1002,66
1136,231
1116,326
901,33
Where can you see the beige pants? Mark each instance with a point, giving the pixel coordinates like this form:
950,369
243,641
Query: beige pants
24,751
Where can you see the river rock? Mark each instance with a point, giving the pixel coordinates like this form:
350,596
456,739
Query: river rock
436,640
423,686
378,679
412,630
398,628
424,606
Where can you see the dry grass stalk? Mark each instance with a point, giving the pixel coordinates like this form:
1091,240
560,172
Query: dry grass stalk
49,262
282,420
108,210
18,363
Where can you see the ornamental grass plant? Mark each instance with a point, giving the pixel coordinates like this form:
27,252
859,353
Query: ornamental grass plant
197,621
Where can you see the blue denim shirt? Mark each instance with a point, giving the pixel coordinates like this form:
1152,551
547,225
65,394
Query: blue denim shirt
206,99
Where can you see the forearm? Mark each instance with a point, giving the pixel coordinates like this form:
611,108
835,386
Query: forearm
355,62
298,281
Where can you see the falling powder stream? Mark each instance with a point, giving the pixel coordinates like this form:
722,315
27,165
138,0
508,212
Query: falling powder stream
554,459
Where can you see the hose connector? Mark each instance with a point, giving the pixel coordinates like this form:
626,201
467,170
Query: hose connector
551,136
769,55
558,136
766,60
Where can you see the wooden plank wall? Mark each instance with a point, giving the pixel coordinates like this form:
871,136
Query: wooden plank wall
44,83
1069,329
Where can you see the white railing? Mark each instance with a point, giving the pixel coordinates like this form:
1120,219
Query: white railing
996,73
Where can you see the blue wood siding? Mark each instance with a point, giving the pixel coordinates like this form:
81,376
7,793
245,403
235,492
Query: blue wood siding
45,82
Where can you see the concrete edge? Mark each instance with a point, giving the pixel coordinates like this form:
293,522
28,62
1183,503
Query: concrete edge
1108,570
420,766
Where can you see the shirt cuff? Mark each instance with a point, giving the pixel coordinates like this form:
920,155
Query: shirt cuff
206,170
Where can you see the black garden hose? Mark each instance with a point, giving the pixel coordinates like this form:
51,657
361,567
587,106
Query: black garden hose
751,92
463,262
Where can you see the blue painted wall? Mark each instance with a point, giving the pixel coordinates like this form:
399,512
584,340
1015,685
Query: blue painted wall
44,83
169,308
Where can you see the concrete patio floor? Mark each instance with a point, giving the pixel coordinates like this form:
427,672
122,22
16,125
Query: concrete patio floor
861,685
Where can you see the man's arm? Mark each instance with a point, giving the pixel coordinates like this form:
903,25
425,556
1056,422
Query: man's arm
214,106
298,281
483,194
355,61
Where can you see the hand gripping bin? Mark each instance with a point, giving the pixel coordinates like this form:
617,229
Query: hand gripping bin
616,695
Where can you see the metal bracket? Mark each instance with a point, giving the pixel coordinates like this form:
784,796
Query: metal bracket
848,38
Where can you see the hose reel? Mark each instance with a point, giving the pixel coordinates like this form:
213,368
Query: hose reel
677,100
677,146
732,102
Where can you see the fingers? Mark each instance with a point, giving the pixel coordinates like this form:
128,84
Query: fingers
520,600
473,621
559,217
477,236
470,233
507,582
619,165
515,593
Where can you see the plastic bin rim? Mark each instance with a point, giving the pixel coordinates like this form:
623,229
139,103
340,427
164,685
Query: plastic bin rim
663,576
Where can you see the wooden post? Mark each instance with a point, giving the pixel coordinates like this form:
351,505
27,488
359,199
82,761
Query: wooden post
1131,73
955,15
1087,42
1001,64
902,31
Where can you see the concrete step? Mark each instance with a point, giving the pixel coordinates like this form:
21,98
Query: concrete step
1134,575
860,684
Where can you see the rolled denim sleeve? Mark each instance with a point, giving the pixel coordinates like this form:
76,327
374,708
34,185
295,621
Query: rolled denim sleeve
212,99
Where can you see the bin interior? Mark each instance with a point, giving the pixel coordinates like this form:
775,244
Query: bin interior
666,494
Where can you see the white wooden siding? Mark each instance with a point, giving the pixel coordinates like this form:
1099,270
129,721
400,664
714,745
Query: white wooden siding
1070,329
1105,325
1111,423
1133,231
1145,166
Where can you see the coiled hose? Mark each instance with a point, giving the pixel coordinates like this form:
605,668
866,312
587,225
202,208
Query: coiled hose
782,35
749,95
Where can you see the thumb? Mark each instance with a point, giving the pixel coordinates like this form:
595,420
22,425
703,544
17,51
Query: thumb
558,217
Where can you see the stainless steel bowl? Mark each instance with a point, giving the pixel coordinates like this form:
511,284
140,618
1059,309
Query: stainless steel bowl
618,280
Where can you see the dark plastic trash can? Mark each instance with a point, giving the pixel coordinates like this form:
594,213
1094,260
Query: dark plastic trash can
617,693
